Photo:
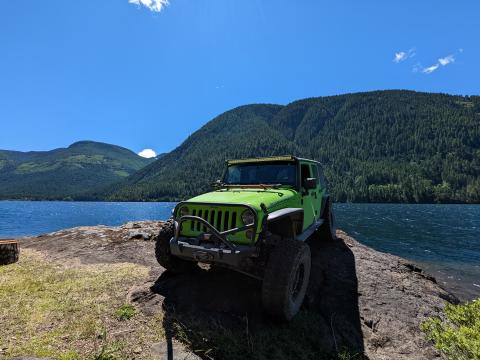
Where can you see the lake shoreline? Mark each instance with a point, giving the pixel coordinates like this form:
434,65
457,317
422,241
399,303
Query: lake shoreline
444,239
176,201
378,300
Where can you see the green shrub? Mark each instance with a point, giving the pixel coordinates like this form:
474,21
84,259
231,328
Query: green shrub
125,312
458,335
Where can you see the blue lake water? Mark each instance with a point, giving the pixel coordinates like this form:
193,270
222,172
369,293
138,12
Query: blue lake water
443,239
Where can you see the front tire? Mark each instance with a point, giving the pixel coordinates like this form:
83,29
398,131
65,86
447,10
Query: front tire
286,279
163,254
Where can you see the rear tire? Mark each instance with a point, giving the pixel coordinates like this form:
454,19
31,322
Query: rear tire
328,230
9,252
163,254
286,279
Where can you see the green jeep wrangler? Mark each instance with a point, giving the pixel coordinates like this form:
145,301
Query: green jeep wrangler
257,221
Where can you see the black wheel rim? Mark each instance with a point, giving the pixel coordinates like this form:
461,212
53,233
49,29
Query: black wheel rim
298,282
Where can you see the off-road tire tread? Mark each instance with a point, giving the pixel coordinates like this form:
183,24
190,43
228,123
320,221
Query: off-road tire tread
163,254
9,252
275,289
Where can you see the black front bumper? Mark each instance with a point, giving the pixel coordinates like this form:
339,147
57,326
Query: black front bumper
220,251
211,253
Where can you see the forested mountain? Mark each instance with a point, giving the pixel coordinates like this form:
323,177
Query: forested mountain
382,146
65,173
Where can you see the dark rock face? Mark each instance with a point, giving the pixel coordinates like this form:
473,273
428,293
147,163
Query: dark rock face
393,300
358,297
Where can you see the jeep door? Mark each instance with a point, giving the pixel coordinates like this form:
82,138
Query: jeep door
309,201
320,192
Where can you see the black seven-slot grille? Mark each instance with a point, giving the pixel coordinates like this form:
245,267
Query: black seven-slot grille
221,220
221,217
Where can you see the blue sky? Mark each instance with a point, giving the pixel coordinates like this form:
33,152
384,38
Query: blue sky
143,75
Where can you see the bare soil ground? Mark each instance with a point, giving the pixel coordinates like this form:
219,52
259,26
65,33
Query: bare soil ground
361,303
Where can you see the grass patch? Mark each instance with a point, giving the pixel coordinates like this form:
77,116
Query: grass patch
108,351
458,335
32,167
125,312
121,173
48,310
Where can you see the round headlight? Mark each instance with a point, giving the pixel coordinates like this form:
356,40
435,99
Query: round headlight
248,217
183,211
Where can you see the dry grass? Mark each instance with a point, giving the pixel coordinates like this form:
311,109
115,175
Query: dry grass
50,310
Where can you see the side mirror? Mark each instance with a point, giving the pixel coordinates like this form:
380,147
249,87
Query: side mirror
310,183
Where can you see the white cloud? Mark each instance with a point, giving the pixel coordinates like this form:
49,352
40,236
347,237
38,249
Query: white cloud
402,55
430,69
446,60
153,5
442,61
147,153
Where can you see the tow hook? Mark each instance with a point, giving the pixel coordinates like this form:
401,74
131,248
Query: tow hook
202,256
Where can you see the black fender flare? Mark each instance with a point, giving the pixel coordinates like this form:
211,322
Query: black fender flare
325,203
286,222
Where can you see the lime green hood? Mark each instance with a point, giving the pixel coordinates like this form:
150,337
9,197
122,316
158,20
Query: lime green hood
272,198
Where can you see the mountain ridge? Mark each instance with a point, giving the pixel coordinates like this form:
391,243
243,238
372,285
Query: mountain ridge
65,173
379,146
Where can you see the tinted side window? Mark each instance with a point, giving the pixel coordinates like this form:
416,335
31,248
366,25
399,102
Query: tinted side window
320,177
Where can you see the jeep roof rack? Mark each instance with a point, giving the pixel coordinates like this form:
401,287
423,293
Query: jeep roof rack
262,159
268,159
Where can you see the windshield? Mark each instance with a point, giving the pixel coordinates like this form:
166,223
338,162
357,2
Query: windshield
251,174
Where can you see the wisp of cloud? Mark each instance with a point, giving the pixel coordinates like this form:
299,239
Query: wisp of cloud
152,5
446,60
430,69
402,55
442,61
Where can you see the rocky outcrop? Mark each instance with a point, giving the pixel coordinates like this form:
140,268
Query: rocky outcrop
359,298
100,244
394,297
141,230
